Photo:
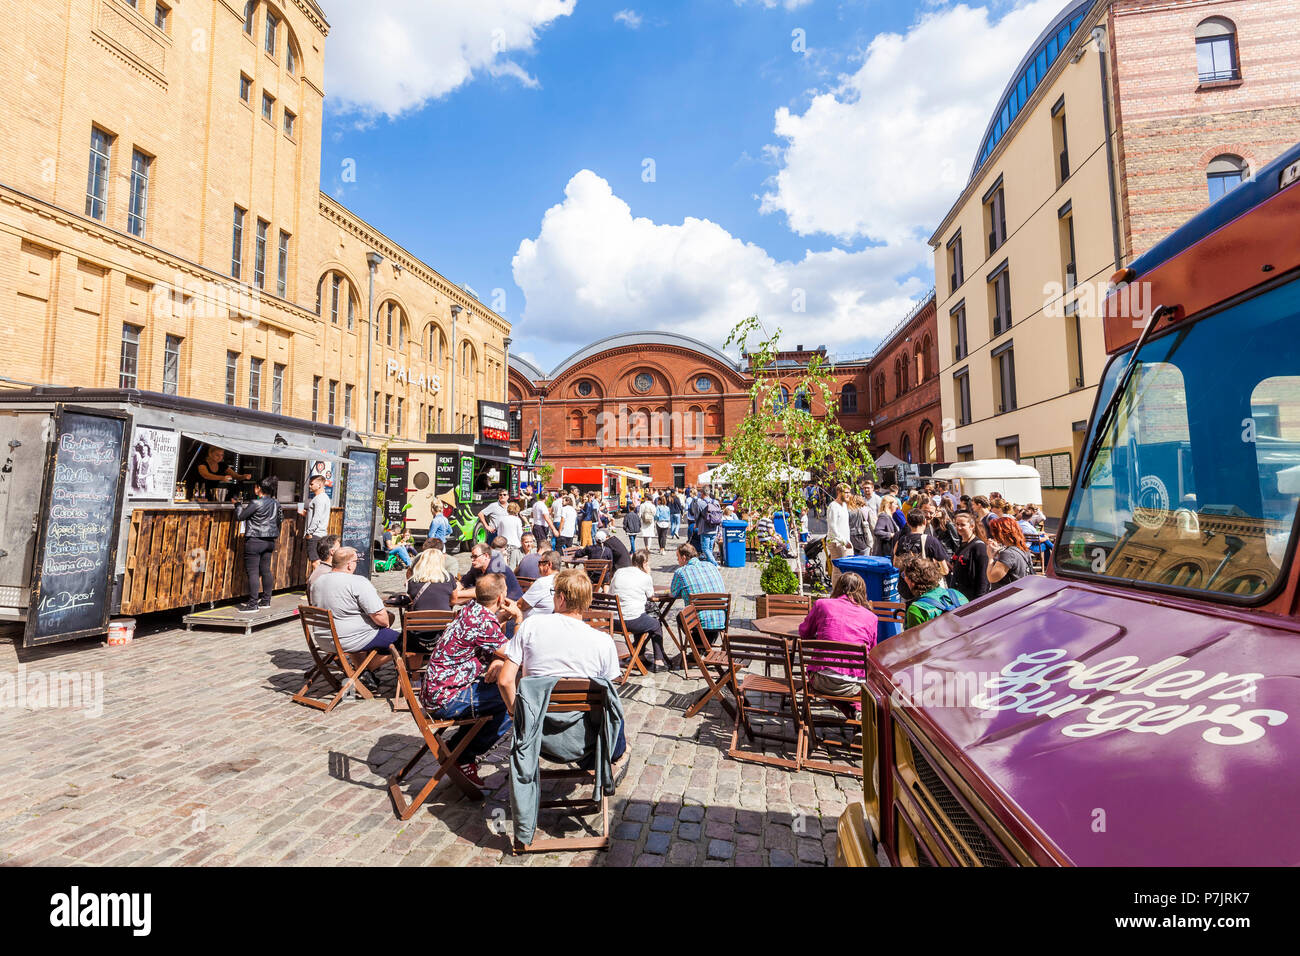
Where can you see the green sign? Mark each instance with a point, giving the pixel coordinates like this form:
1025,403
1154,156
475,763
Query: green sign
466,477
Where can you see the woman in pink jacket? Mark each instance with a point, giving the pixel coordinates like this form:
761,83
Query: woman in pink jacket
844,616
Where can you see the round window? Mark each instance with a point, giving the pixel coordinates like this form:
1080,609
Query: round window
421,480
703,383
584,389
643,382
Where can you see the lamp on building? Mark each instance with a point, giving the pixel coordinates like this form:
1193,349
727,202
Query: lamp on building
373,259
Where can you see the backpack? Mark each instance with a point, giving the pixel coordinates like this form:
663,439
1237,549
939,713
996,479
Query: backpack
713,514
946,601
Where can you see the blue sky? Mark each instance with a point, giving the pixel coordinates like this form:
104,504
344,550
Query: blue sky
784,181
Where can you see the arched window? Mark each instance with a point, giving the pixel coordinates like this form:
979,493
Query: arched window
906,373
335,298
849,399
1224,174
575,425
1216,51
926,369
780,399
802,402
907,449
1187,574
713,421
435,344
929,447
249,9
394,324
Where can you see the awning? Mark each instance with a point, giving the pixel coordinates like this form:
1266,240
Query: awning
889,460
634,475
265,449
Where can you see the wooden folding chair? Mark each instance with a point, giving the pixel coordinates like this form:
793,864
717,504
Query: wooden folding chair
432,732
842,729
525,583
570,696
708,659
419,622
713,602
322,636
890,612
779,605
597,569
602,601
774,651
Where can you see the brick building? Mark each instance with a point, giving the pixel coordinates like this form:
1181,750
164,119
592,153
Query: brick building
657,402
162,226
902,390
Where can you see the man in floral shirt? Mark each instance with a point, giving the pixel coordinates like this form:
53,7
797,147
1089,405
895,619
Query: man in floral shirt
461,678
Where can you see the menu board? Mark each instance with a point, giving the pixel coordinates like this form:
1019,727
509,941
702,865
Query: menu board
395,488
359,506
444,478
467,478
1061,472
77,538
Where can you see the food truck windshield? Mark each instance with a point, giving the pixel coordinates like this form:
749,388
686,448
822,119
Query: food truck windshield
1196,479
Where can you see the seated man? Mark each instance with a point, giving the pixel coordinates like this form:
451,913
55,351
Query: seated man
694,576
360,618
924,576
460,680
768,539
480,563
325,548
598,550
561,644
622,556
538,598
527,566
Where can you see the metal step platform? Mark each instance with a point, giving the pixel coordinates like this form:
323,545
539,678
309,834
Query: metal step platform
230,618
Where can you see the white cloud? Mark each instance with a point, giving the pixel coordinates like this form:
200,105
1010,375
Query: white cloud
595,270
391,57
886,152
629,18
770,4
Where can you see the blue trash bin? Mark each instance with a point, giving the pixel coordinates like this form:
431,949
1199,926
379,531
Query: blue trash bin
881,578
733,543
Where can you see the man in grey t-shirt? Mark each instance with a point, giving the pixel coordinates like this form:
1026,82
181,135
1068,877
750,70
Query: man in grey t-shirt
360,618
318,519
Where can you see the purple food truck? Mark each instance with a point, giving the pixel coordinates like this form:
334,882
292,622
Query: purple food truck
1140,704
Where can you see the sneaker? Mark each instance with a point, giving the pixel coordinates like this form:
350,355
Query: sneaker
264,602
470,771
368,681
247,607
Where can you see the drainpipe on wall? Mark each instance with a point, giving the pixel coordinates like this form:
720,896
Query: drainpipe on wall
451,423
1099,36
374,259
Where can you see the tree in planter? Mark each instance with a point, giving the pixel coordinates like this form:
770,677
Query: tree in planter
781,439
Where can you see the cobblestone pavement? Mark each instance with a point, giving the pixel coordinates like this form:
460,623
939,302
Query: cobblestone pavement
199,757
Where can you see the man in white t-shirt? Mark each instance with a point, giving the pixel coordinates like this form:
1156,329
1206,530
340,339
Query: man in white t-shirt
560,644
538,599
543,523
837,530
490,517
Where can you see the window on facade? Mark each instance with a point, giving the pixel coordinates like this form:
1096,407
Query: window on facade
245,88
129,375
1224,174
1060,143
259,254
272,24
906,448
1074,349
802,402
268,107
352,309
289,121
101,146
1000,299
956,268
995,218
277,388
254,383
1069,262
171,365
961,387
249,9
374,413
929,447
237,244
388,325
161,12
232,374
1009,448
1004,366
388,414
400,423
138,206
1216,51
575,425
957,317
331,399
282,269
335,281
291,59
516,427
849,399
315,398
924,371
347,406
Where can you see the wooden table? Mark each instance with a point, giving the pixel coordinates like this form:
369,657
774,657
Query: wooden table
779,625
663,604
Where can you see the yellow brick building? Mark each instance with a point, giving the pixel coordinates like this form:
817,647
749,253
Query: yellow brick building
162,226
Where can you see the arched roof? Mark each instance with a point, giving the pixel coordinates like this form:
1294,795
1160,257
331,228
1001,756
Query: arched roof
526,368
1043,52
642,338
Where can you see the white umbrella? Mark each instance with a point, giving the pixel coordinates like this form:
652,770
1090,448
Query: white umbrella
719,475
888,460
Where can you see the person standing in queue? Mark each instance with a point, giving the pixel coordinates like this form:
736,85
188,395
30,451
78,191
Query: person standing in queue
261,530
318,521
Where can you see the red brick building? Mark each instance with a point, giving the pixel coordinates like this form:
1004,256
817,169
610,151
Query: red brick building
661,403
651,401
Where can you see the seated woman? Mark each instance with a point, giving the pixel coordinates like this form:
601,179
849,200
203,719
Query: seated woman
431,583
845,616
635,589
397,541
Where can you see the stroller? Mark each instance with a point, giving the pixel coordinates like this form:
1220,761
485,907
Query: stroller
814,570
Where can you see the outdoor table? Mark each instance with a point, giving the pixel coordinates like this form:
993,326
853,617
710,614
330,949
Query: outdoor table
662,605
780,625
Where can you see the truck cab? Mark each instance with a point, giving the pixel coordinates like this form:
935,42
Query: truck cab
1139,704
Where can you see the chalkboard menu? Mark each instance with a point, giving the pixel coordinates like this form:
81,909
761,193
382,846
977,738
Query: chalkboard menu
77,537
359,506
445,475
395,488
467,478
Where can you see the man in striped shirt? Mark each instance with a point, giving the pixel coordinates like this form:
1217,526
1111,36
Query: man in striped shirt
694,576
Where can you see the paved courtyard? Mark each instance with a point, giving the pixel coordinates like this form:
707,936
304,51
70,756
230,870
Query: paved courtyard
199,757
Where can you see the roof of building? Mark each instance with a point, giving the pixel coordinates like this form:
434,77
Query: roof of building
526,368
1029,73
625,340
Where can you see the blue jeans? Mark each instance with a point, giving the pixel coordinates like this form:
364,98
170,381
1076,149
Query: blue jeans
674,525
403,554
479,699
631,540
706,547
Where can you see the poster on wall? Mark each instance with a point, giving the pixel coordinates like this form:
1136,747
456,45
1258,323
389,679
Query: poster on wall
395,489
467,478
444,476
151,470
